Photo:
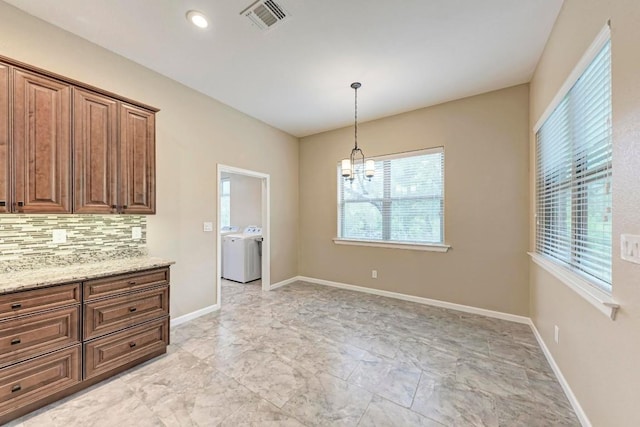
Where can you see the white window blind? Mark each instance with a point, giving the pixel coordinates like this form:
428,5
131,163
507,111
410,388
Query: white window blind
403,202
573,176
225,202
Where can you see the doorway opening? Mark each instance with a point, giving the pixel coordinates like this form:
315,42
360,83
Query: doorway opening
224,171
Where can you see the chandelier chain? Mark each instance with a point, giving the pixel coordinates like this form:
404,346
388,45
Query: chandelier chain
356,117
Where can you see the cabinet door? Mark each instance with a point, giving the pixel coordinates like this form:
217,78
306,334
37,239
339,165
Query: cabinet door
41,143
4,138
137,160
95,152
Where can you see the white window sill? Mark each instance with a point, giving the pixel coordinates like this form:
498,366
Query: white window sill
599,299
432,247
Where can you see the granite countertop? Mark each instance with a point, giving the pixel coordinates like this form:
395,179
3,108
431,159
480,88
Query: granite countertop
31,279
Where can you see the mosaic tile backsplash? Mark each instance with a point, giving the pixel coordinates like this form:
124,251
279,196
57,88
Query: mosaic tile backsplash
26,241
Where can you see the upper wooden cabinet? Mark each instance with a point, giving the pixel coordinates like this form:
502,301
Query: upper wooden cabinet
4,138
49,123
137,160
41,143
95,149
114,156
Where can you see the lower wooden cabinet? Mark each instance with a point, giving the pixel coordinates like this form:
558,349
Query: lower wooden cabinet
38,333
119,349
27,302
124,283
113,314
60,339
34,381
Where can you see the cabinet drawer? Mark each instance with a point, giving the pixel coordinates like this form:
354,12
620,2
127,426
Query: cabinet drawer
110,352
35,379
112,314
25,302
39,333
127,282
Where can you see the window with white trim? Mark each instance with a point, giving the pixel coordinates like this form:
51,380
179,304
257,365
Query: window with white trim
225,202
573,176
402,203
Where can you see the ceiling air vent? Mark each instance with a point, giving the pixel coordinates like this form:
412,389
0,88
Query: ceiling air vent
265,14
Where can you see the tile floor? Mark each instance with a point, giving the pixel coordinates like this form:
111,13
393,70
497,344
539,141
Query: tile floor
307,355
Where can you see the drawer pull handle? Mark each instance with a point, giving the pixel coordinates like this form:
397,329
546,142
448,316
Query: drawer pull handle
15,341
132,282
132,344
16,306
132,309
15,388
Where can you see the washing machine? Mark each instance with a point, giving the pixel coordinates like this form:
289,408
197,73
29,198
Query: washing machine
225,231
243,255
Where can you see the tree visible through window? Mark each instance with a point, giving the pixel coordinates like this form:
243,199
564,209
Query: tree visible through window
403,202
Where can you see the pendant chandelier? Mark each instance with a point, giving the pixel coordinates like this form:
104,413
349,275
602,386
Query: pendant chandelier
348,166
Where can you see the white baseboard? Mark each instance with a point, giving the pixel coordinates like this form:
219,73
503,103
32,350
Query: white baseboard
420,300
582,416
194,315
284,282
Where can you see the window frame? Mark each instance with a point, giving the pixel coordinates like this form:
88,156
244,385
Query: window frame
594,291
386,200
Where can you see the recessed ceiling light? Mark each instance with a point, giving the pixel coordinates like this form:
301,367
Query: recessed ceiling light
197,18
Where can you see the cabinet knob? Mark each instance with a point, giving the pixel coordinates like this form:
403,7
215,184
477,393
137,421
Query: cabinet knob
3,203
16,306
132,309
15,341
132,282
20,204
15,388
132,344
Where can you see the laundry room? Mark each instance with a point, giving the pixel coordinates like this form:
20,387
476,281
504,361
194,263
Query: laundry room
240,228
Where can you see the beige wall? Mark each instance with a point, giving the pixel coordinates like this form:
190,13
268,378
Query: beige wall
599,358
486,158
246,200
194,133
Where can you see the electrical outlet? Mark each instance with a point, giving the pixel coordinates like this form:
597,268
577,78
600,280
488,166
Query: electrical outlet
59,236
630,247
374,274
136,233
207,226
556,334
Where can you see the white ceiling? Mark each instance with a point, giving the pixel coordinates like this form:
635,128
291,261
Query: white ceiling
408,54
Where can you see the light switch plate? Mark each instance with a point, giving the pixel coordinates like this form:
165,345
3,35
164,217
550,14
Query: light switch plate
630,247
207,226
136,233
59,236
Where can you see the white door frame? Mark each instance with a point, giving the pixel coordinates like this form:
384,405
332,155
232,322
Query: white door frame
266,234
